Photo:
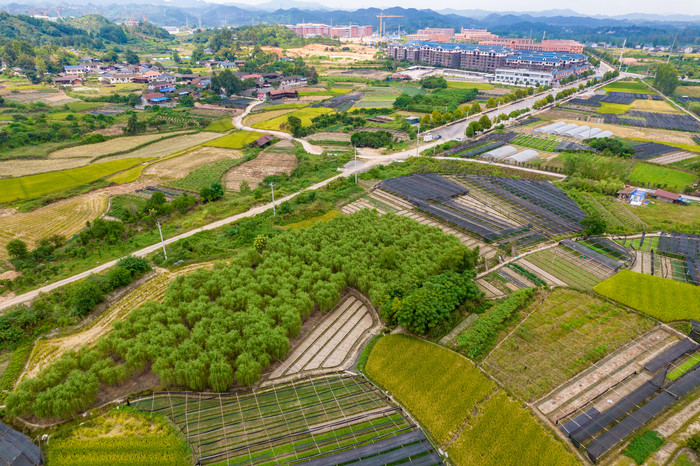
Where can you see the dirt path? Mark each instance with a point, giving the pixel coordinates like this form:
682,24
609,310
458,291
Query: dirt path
47,351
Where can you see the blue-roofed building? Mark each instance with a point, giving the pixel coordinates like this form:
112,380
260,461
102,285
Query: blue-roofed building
17,449
75,69
167,89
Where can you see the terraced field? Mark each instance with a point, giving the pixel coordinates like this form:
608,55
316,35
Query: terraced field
181,166
47,351
302,420
110,147
63,218
169,146
332,344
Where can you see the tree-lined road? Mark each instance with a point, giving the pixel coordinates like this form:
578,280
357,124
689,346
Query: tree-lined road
447,132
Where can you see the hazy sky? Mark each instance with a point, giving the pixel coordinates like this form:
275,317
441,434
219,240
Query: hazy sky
591,7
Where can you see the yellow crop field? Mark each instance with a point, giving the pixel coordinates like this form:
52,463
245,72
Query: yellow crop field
60,218
180,166
658,106
169,146
463,410
235,140
305,114
29,187
260,117
109,147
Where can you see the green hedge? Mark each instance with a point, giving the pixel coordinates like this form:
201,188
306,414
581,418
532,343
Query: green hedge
476,341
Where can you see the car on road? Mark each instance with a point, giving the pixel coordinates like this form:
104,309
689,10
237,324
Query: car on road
459,139
428,137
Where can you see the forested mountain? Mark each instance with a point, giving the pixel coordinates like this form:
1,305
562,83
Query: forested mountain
41,32
584,28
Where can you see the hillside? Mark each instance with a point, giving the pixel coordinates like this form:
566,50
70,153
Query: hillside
41,32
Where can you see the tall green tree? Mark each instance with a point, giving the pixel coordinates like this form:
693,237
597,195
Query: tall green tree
666,79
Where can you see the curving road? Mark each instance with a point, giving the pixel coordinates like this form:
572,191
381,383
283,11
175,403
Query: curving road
238,124
447,132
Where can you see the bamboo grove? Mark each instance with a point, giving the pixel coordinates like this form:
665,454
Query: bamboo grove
216,328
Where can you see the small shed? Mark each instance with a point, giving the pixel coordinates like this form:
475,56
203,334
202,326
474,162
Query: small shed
637,197
666,196
262,141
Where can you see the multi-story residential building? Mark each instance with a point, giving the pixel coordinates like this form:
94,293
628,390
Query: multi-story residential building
486,58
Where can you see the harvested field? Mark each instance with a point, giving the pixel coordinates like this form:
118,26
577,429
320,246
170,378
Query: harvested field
169,146
181,166
672,157
269,162
14,168
329,136
564,335
333,343
50,98
63,218
47,351
109,147
659,106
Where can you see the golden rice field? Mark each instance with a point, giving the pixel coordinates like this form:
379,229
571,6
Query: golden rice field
305,114
180,166
61,218
109,147
659,106
168,146
260,117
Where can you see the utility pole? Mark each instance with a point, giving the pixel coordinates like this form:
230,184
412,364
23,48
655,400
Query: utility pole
671,50
355,165
622,52
161,240
272,186
417,138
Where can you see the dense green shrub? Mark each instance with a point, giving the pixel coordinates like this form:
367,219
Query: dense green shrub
476,341
375,139
218,327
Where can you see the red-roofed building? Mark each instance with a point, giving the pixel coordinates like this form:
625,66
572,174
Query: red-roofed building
666,196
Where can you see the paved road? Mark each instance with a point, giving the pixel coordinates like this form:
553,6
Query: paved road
238,123
449,131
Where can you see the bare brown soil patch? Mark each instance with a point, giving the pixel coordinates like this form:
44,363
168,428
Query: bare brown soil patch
268,163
